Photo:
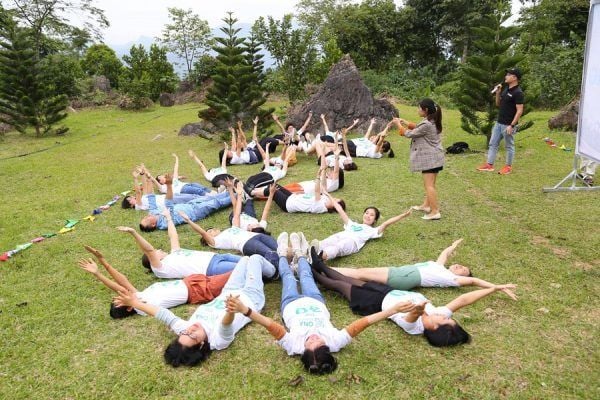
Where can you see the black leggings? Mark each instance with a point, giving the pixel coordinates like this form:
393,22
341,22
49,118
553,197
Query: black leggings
280,197
262,179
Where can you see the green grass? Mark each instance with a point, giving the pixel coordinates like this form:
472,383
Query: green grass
58,340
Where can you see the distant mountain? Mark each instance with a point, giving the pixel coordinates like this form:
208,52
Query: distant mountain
178,63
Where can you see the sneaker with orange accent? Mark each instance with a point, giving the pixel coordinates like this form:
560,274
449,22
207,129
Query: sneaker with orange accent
486,167
507,169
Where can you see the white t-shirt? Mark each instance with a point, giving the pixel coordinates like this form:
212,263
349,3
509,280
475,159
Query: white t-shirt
244,158
366,148
350,240
233,238
210,316
246,220
182,263
177,186
164,294
331,160
307,316
275,172
436,275
360,233
210,174
413,328
152,202
309,186
306,203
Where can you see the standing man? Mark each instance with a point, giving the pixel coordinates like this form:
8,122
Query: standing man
510,101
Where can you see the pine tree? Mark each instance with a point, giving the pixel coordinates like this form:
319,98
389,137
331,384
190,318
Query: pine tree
256,96
490,57
236,93
25,99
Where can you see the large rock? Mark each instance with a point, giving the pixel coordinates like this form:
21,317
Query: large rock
343,97
567,117
166,99
203,129
101,83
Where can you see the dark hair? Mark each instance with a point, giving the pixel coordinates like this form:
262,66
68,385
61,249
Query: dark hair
320,361
260,229
351,166
177,354
386,146
144,228
377,213
158,180
120,312
227,162
342,204
125,204
434,112
288,125
341,178
447,335
146,261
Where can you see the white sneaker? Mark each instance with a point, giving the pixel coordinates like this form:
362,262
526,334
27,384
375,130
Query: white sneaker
295,241
282,244
304,245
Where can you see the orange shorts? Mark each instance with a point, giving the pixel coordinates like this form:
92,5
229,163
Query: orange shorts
202,288
294,188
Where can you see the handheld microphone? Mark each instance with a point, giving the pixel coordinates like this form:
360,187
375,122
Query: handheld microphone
495,89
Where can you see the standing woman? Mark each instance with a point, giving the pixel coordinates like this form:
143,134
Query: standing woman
426,152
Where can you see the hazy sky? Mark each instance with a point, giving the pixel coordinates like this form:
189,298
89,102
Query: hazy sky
130,19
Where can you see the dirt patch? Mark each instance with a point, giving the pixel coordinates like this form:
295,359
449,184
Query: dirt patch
582,266
540,240
559,252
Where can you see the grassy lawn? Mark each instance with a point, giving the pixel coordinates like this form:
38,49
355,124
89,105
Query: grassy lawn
58,340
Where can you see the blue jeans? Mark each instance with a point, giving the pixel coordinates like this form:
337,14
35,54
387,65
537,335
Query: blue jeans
222,263
498,133
248,209
263,245
247,276
194,188
289,290
196,209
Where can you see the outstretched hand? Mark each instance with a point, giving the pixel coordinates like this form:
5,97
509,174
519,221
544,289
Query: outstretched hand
125,229
88,265
93,251
457,242
125,298
168,179
507,289
255,120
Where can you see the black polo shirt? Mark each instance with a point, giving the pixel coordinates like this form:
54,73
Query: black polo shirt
509,98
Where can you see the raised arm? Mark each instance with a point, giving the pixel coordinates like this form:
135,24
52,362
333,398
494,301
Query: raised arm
276,119
345,144
318,187
171,230
370,128
90,266
169,183
129,299
119,278
151,178
234,305
324,123
176,166
472,297
360,325
237,208
339,209
310,114
356,121
269,202
143,244
207,238
393,220
447,252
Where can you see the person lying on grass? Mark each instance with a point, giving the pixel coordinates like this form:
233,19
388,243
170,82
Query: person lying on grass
144,199
178,185
248,240
435,323
179,263
354,236
216,176
289,133
276,170
332,156
311,333
211,326
196,209
425,274
367,146
193,289
334,180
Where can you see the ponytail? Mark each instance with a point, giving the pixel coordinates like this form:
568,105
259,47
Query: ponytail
434,112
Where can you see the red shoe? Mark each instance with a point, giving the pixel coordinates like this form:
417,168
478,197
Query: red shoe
486,167
507,169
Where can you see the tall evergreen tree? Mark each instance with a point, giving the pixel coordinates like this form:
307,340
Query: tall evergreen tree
25,98
490,57
236,93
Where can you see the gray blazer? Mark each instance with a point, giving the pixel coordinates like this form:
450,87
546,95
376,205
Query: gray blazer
426,151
